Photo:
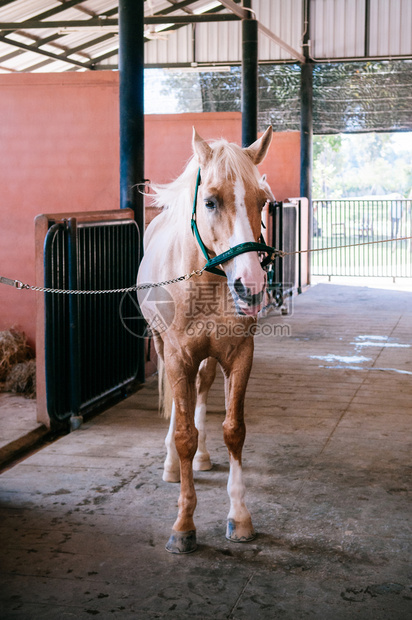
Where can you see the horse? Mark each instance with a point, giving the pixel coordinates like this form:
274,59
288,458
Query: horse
207,317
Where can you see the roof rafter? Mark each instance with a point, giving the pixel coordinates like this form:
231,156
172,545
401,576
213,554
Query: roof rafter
109,20
28,48
33,47
113,23
246,14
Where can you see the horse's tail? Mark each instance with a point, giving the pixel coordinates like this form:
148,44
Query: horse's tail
165,391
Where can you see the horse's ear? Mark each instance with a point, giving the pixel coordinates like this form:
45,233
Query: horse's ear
257,151
201,149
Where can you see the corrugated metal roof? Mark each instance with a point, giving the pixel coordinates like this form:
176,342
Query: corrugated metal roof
340,29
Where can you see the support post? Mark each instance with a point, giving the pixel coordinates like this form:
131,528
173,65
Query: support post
131,107
306,124
131,92
306,130
249,78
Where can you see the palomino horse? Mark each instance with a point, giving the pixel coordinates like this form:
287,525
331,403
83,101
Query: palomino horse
210,318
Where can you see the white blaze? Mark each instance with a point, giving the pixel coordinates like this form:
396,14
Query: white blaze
246,266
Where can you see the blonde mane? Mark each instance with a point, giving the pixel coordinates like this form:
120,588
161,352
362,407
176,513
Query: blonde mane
229,162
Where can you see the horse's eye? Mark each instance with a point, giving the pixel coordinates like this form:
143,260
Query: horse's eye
210,204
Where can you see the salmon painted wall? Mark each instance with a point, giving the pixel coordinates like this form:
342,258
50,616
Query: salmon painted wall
59,152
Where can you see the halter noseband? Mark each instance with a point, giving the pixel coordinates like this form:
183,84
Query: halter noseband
241,248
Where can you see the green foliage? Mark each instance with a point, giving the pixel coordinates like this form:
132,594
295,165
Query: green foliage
351,165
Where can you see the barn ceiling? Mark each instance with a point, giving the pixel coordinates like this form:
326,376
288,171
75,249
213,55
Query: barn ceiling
71,35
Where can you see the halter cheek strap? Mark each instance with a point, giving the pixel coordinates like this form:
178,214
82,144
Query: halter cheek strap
241,248
196,233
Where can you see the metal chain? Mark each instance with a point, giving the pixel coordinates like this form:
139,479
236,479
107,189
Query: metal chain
341,247
197,272
137,287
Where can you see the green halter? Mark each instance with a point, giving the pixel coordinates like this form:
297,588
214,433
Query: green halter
241,248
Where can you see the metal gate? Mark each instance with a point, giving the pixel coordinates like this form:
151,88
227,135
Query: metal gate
89,356
288,233
340,223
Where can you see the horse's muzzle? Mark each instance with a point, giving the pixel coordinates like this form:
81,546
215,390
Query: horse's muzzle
247,302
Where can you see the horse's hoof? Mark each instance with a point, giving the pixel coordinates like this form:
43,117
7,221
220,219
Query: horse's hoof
171,475
202,463
239,532
182,542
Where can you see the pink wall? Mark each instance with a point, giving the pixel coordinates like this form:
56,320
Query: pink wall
59,151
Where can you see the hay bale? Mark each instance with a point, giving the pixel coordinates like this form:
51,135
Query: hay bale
22,379
17,366
13,350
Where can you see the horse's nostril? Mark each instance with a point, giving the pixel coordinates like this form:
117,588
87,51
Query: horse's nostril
241,289
245,294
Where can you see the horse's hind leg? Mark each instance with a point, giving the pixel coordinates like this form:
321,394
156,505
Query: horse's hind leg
204,381
239,522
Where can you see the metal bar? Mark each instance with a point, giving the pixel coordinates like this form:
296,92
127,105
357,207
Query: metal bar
243,14
58,9
367,28
299,246
44,53
74,343
194,45
288,48
50,366
191,19
37,24
97,22
249,81
236,10
281,247
175,6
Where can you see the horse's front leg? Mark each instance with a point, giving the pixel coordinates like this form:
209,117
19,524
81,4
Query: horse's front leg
182,380
171,469
239,522
201,461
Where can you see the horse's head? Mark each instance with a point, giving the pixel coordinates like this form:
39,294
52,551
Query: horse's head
230,201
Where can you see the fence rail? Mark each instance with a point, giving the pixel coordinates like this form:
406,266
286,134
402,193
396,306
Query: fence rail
338,223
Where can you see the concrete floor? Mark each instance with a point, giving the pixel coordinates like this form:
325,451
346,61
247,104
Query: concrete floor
328,469
19,430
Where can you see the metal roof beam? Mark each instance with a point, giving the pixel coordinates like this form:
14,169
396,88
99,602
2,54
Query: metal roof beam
113,23
176,6
237,10
191,19
60,57
247,14
288,48
58,9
